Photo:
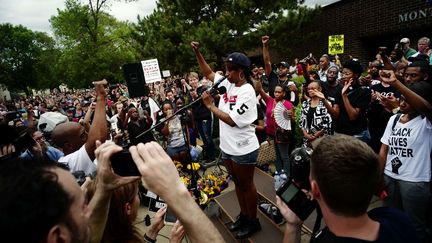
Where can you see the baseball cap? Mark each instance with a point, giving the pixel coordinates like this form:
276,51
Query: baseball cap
404,40
239,59
285,64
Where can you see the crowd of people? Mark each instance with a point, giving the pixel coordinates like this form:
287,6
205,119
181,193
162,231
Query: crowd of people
370,130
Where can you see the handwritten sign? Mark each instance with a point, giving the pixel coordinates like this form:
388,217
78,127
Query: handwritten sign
151,70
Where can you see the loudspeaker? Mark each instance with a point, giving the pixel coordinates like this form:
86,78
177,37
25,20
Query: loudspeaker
134,75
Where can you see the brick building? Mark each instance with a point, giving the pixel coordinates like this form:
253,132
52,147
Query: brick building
368,24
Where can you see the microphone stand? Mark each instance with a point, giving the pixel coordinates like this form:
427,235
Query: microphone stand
194,182
212,92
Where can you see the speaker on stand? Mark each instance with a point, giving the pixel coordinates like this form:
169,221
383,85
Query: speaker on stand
134,75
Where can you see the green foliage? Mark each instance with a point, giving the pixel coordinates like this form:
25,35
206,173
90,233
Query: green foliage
90,44
220,26
27,58
94,45
299,80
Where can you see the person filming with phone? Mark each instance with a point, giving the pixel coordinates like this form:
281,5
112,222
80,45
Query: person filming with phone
344,174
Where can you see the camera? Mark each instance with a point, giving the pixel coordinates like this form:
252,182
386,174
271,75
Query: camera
19,137
123,164
300,166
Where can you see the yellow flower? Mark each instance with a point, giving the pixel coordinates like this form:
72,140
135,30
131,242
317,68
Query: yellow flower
195,166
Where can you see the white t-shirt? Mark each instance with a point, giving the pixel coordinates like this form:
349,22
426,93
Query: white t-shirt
154,108
410,144
79,160
241,105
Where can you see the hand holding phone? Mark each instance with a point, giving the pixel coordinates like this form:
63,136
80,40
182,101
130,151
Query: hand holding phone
157,223
170,217
296,200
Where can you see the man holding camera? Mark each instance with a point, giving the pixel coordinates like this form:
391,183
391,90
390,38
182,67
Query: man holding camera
343,177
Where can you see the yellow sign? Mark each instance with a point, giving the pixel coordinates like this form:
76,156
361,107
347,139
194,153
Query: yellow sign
336,44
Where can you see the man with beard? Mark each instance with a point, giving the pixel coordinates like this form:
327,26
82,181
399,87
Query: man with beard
41,149
331,88
281,77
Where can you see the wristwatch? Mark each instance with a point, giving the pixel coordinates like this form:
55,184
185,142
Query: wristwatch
396,110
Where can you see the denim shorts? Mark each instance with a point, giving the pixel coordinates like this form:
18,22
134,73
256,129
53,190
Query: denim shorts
172,151
246,159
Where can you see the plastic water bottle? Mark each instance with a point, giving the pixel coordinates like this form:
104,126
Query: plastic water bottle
277,181
283,177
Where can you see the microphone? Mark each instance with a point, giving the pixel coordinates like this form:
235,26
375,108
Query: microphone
216,84
221,90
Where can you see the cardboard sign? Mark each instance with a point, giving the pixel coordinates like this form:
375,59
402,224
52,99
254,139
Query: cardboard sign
151,70
336,44
166,73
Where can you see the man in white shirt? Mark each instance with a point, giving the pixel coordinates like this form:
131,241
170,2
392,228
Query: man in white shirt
78,145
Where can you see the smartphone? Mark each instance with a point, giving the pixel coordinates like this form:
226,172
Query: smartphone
170,217
123,164
296,200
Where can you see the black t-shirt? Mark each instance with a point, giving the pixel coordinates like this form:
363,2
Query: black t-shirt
395,227
359,97
135,129
145,105
199,111
260,135
331,92
273,79
378,116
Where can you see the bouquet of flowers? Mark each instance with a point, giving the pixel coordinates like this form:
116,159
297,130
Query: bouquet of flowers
209,186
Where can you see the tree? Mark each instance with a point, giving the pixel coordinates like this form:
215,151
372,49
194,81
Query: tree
220,26
26,58
94,44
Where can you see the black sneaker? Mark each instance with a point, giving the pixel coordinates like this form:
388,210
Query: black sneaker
251,227
208,163
240,221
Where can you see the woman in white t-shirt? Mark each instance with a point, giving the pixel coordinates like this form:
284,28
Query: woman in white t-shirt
236,111
405,155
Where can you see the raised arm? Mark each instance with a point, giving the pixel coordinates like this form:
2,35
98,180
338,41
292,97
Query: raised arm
332,109
98,128
266,55
204,67
353,113
260,90
415,100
